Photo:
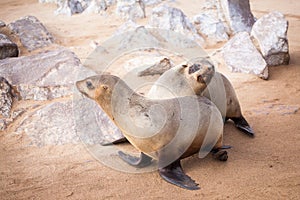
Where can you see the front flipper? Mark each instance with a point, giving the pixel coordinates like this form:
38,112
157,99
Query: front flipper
242,124
119,141
139,162
174,174
220,153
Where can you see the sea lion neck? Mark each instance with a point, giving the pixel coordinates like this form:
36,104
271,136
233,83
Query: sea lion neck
115,94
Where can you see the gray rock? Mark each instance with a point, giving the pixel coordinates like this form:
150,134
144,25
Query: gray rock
270,32
238,14
93,126
32,33
166,17
131,9
240,55
71,121
7,47
45,75
211,28
2,24
158,68
55,125
211,23
6,98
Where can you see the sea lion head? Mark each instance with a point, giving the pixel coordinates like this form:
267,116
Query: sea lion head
98,86
198,74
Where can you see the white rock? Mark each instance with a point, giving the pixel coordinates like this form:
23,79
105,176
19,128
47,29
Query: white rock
240,55
211,23
238,14
131,9
213,29
166,17
270,32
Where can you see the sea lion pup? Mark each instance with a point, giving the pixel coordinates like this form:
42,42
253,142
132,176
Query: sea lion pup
167,130
192,78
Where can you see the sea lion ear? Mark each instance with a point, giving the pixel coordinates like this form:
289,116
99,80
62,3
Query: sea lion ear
105,87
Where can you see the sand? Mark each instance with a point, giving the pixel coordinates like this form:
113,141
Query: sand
266,167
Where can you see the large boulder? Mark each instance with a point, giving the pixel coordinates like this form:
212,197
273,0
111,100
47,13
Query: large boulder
240,55
211,23
131,9
238,14
32,33
170,18
43,76
270,32
7,47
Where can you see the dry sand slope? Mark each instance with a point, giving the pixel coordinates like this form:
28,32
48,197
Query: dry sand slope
266,167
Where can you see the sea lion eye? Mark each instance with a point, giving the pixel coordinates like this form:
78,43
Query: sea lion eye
89,85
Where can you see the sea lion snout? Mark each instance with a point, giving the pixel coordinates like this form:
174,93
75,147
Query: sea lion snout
86,87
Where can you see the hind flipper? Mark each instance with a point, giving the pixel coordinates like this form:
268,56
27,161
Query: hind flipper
242,124
174,174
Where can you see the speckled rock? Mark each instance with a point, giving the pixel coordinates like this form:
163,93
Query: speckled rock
270,32
7,47
32,33
240,55
6,97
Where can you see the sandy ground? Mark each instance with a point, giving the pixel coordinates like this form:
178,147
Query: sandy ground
266,167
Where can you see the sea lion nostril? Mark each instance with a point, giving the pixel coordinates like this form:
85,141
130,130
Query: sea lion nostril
194,68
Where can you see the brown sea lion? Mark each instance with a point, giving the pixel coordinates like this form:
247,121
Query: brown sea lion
167,130
192,78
